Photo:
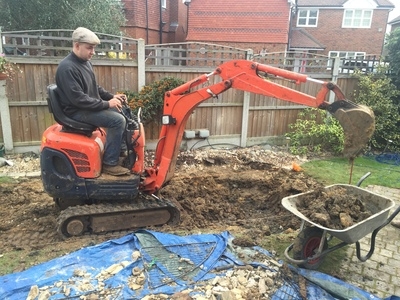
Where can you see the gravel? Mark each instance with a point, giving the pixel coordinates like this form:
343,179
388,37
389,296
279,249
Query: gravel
28,164
19,165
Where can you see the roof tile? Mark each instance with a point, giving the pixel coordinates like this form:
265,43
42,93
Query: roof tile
302,39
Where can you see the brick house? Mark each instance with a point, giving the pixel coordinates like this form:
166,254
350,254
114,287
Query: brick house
340,28
260,25
254,25
156,21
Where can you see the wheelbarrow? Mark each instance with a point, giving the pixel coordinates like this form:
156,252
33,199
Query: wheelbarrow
311,245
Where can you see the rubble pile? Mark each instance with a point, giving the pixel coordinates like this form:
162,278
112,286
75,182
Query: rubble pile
231,282
29,162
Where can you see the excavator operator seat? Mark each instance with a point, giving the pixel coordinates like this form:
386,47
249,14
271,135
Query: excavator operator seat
68,124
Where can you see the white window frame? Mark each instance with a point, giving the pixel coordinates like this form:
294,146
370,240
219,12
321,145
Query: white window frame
343,55
307,18
347,54
357,18
163,3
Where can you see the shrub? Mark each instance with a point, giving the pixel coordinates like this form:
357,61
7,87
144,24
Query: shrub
151,98
7,68
315,131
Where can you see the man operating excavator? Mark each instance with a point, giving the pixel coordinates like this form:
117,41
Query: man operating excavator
84,100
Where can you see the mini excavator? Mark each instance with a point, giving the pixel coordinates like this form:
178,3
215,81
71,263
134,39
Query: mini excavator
89,201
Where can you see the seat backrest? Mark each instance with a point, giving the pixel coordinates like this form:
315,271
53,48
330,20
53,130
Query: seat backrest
69,125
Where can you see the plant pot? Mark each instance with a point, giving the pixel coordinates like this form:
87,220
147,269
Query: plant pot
3,76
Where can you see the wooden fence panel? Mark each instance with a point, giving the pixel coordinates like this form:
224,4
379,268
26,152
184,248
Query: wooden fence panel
270,123
267,116
348,86
270,116
198,55
301,62
58,42
222,116
117,78
27,94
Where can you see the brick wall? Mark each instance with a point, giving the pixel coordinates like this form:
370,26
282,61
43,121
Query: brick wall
256,47
331,34
178,21
145,24
142,23
239,21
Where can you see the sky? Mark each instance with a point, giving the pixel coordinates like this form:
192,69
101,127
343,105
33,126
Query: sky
396,11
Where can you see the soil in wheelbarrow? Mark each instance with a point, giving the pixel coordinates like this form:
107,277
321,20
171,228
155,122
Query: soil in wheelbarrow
335,209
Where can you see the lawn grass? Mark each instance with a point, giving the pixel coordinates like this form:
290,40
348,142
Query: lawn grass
337,170
19,260
6,179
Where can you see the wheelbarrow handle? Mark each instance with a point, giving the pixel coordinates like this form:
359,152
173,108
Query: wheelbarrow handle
373,236
363,178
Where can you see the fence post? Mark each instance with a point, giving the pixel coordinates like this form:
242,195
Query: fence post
246,108
141,60
5,111
335,74
1,41
5,118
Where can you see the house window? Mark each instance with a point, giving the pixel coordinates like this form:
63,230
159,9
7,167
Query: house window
346,54
357,18
163,3
349,60
307,18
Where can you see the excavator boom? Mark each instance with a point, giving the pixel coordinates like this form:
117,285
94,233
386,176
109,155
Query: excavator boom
358,121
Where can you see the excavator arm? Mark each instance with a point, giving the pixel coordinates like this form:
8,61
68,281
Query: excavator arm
357,121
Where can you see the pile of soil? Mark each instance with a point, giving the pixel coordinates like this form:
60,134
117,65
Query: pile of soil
335,208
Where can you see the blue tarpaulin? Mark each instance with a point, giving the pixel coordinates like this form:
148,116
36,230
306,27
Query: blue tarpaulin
168,264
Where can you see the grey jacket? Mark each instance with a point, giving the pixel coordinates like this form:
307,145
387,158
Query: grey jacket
77,86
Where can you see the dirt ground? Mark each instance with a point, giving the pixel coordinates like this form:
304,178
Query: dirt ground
216,190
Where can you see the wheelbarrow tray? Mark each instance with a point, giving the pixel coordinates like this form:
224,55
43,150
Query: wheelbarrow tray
379,206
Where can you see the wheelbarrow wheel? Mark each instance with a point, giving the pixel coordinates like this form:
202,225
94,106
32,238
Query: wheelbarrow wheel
306,244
